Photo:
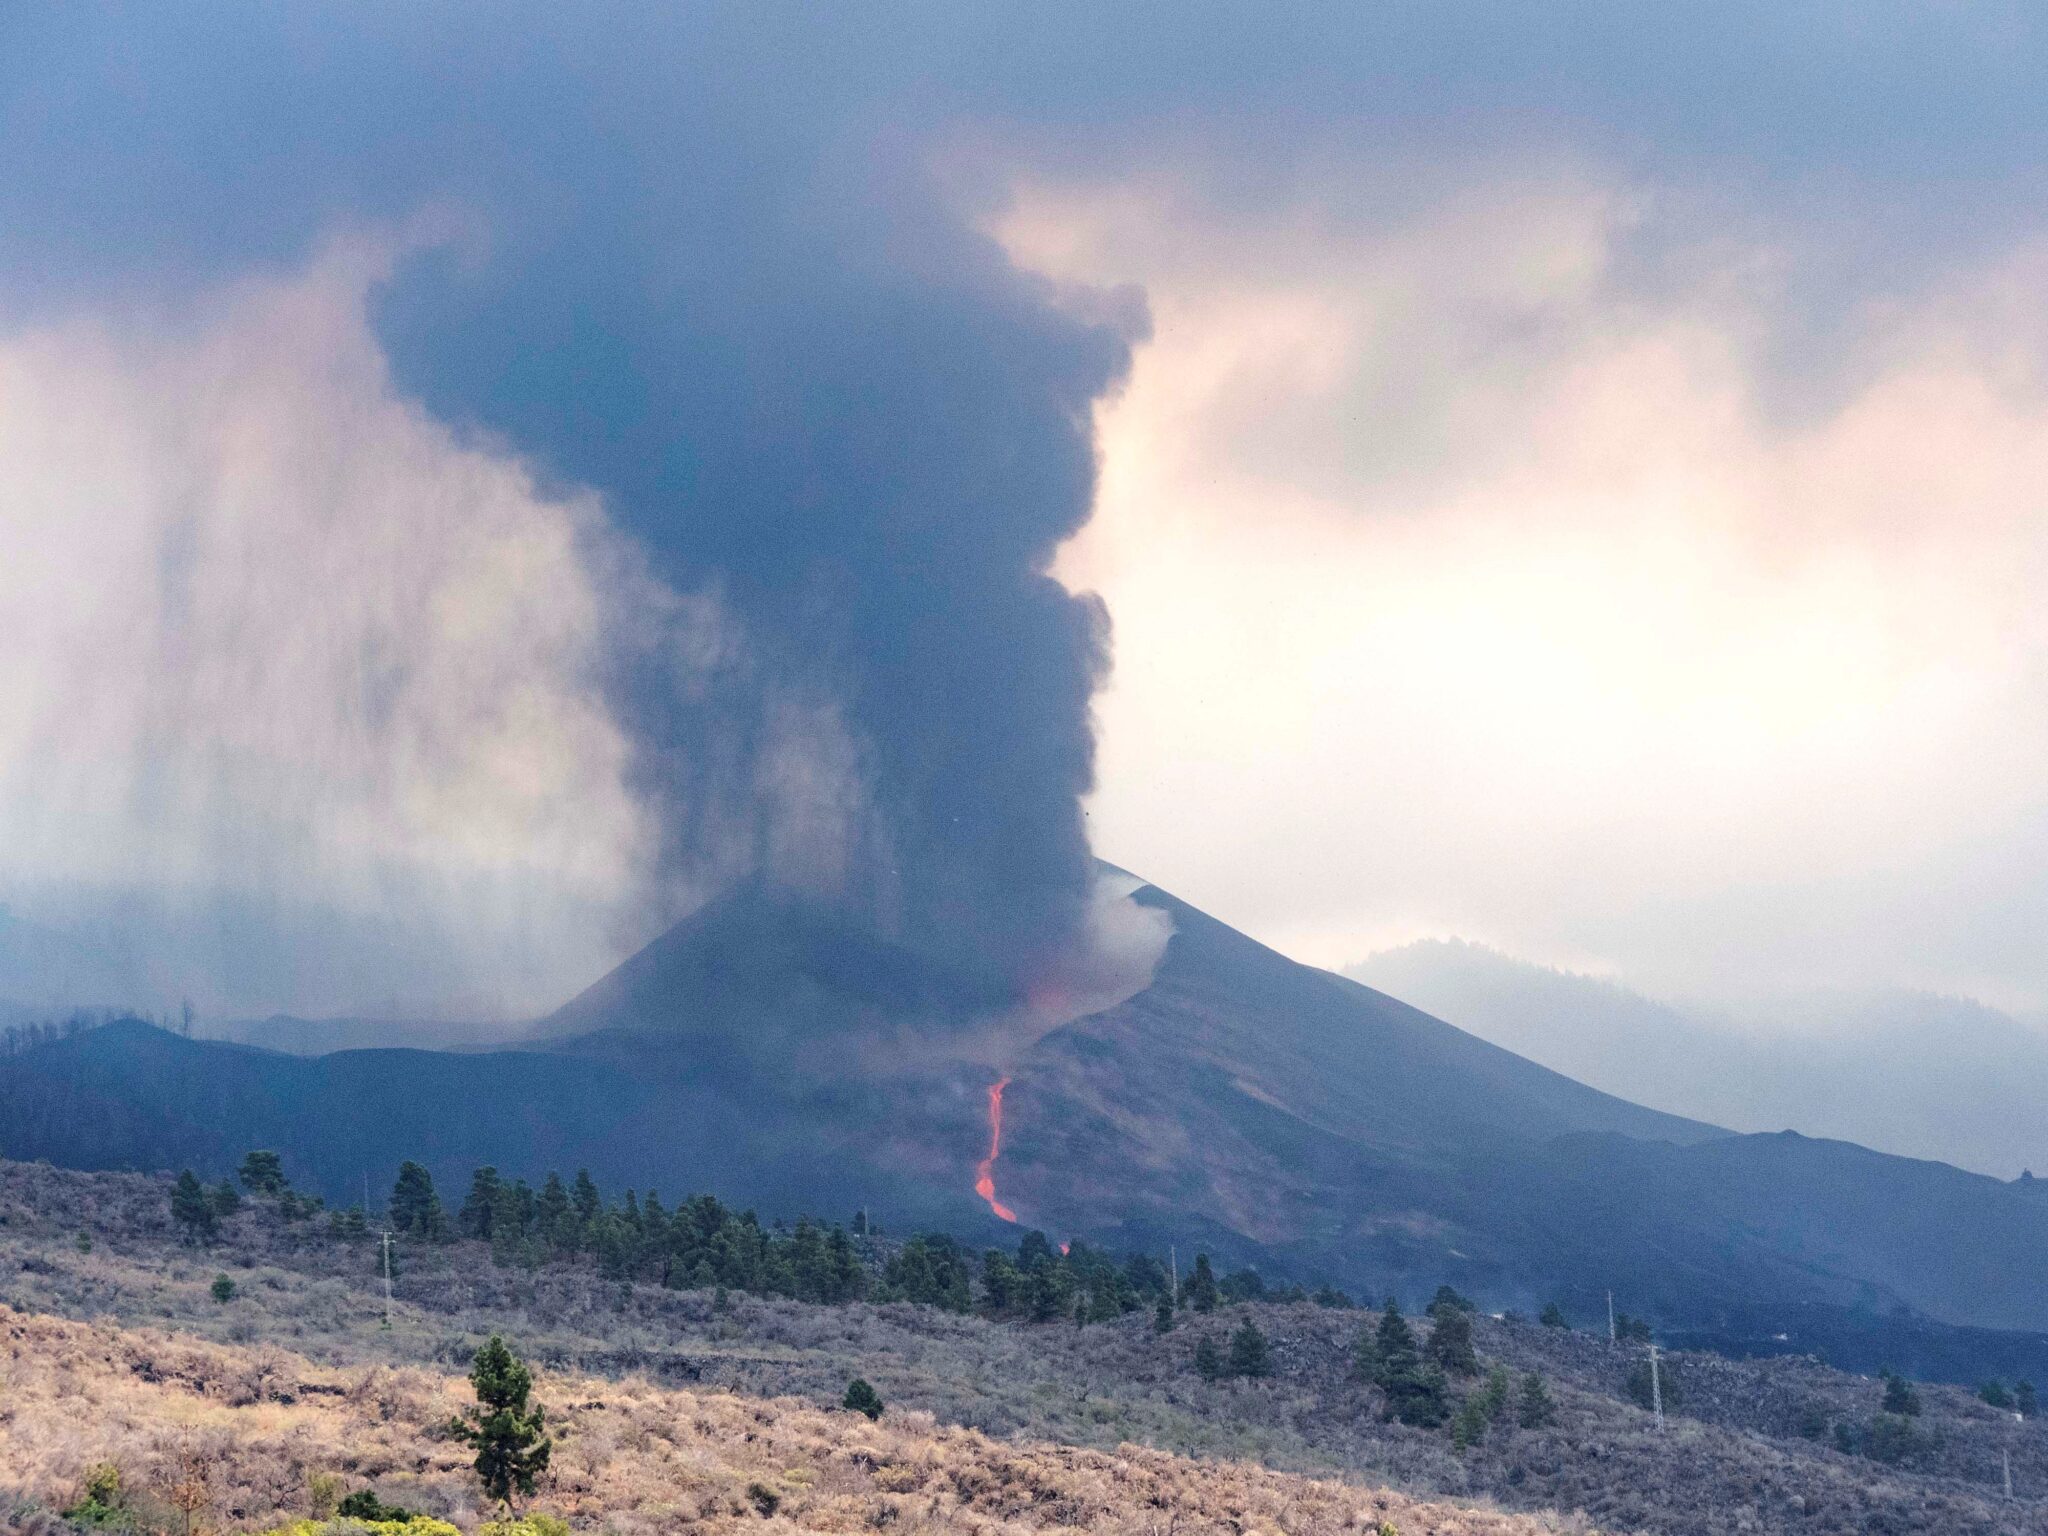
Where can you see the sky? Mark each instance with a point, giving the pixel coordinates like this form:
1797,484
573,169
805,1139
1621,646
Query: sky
478,482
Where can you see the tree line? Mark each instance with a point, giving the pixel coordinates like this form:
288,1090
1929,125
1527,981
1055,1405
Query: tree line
701,1243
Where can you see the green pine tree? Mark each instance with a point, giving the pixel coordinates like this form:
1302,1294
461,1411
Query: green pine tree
1553,1316
2025,1400
509,1435
1534,1408
479,1207
226,1199
1450,1342
1202,1289
1162,1316
1416,1393
262,1173
192,1210
415,1208
1447,1299
222,1289
1493,1397
585,1199
1365,1353
1208,1359
1249,1355
1469,1427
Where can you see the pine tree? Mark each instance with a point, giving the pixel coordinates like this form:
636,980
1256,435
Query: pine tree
585,1199
1416,1393
1994,1394
226,1199
512,1448
415,1208
1534,1409
222,1289
1162,1316
479,1206
1900,1397
191,1209
1365,1354
862,1398
1248,1352
1202,1290
1447,1299
1553,1316
1494,1396
1450,1343
553,1213
2025,1400
1469,1427
1208,1359
262,1173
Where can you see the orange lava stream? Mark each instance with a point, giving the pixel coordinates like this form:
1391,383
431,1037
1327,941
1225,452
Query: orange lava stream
985,1170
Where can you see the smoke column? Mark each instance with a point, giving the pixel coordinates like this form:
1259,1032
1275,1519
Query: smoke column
695,263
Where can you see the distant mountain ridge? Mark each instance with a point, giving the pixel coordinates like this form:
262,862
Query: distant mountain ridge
1918,1075
1244,1104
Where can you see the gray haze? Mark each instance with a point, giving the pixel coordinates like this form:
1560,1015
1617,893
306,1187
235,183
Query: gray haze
1931,1077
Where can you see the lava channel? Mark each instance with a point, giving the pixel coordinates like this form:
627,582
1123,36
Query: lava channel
985,1170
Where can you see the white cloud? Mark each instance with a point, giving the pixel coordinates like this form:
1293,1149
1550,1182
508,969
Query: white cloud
1466,581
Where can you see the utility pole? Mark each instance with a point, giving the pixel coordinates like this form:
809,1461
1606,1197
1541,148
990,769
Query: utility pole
1173,1270
1610,1317
387,1279
1656,1388
2005,1454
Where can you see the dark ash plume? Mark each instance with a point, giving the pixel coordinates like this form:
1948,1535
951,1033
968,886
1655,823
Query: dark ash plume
707,276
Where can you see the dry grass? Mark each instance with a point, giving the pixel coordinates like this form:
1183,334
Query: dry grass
631,1457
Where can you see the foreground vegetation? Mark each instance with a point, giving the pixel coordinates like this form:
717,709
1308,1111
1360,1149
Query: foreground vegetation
1748,1446
259,1438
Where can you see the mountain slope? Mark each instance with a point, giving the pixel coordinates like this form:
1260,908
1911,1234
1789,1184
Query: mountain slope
1242,1103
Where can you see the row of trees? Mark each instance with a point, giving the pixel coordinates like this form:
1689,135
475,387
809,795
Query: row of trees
1415,1378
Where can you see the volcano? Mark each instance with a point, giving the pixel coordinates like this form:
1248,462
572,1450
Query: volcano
1243,1104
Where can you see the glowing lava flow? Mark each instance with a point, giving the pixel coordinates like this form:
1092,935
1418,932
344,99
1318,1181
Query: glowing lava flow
985,1170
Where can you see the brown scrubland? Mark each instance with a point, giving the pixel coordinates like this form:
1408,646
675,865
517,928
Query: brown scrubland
1749,1447
257,1425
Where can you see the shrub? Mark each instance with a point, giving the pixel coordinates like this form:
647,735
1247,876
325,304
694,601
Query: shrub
364,1504
1553,1316
535,1524
862,1398
222,1289
764,1499
1994,1393
1208,1359
323,1493
1643,1392
1901,1398
1891,1438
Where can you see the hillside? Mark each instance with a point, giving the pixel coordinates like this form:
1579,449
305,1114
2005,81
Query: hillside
1749,1446
1262,1109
